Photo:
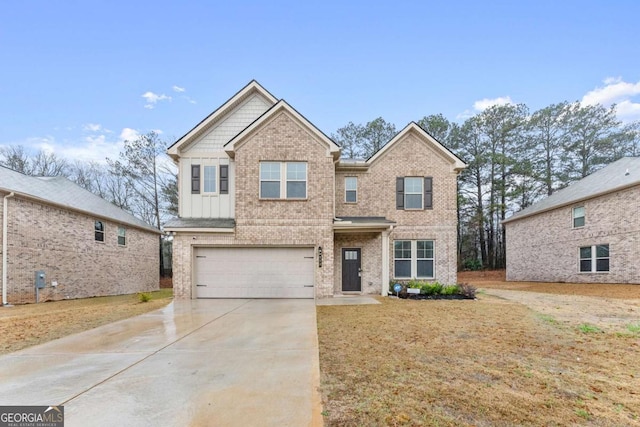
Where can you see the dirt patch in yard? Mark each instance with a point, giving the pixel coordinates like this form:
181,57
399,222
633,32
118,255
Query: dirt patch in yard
489,362
26,325
610,307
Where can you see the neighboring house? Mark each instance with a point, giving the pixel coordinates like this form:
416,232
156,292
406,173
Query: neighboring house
268,209
585,233
85,246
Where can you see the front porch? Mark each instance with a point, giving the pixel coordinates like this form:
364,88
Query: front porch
361,254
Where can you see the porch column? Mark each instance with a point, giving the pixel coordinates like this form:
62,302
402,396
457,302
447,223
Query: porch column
385,263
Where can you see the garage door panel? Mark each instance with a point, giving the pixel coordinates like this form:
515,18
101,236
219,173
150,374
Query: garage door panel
254,272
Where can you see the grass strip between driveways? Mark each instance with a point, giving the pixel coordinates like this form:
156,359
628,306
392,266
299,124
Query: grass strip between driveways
22,326
484,362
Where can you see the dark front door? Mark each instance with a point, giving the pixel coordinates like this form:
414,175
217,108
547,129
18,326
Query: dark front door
351,269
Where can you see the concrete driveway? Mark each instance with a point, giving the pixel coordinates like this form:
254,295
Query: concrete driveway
194,363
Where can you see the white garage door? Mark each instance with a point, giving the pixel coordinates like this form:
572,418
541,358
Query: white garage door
254,272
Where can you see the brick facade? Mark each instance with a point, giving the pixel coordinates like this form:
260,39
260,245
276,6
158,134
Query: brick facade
545,247
282,135
410,156
61,242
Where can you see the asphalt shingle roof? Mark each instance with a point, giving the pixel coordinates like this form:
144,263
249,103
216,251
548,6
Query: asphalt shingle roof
64,193
200,223
620,174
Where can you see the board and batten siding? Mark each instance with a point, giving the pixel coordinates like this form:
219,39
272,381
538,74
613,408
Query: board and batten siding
205,205
209,151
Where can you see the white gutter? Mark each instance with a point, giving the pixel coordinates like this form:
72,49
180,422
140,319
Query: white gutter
5,222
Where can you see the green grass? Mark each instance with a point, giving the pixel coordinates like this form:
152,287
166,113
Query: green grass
548,319
589,329
634,328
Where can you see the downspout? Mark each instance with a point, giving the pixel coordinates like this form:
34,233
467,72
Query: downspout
5,223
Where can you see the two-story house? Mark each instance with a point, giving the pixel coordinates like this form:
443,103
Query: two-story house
267,208
587,232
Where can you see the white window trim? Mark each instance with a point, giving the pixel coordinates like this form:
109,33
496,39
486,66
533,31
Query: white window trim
421,193
414,259
573,217
125,236
283,181
346,190
215,176
594,260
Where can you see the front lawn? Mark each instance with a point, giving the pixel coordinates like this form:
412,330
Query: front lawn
22,326
483,363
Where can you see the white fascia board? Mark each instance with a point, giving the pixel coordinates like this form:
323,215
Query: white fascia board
253,86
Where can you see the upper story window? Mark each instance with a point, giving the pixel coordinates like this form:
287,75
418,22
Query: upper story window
414,193
99,231
272,186
209,179
351,189
578,217
594,259
122,236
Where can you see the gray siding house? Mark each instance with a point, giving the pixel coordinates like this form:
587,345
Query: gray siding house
85,246
268,209
588,232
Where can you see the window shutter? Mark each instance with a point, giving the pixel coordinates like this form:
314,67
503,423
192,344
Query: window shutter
400,193
224,179
195,179
428,192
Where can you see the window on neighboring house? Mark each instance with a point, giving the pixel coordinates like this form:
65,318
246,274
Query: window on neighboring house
195,179
413,259
122,236
578,217
414,193
209,179
272,186
351,189
99,231
594,259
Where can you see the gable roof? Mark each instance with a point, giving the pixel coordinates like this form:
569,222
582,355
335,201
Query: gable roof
208,122
63,193
458,164
618,175
280,106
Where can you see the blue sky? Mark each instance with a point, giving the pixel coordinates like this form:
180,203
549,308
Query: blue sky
78,77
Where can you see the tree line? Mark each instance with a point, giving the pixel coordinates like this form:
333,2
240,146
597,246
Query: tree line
515,157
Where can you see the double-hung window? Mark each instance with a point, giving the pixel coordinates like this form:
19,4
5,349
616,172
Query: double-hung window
414,193
351,189
414,259
594,259
209,179
99,231
273,186
296,180
578,217
122,236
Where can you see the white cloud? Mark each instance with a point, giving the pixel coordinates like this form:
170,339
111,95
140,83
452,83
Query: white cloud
129,134
617,91
178,88
92,127
154,98
485,103
482,104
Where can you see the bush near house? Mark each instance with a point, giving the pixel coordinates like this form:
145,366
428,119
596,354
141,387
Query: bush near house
432,289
